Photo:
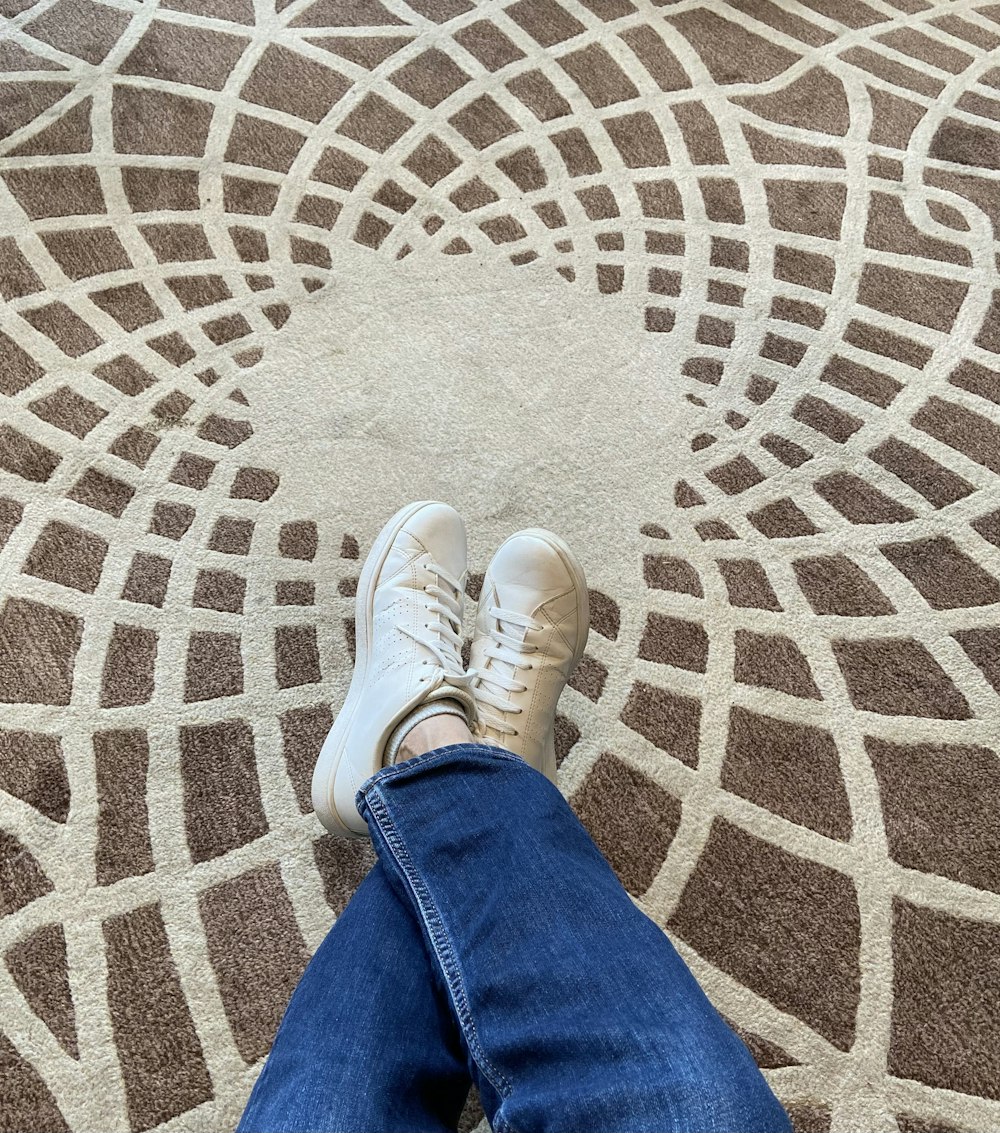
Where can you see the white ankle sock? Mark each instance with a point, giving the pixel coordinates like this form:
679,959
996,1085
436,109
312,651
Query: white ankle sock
424,712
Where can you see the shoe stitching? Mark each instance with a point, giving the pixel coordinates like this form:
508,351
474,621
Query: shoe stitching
556,626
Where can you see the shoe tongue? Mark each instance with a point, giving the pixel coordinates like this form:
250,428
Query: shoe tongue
520,586
515,597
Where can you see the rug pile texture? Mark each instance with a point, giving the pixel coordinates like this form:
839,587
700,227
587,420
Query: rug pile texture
711,289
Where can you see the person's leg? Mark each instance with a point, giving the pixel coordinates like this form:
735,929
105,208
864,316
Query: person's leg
577,1012
368,1041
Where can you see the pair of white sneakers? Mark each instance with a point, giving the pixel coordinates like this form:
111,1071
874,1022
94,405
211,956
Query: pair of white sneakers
532,624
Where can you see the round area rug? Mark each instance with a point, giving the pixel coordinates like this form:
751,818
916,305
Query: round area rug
710,289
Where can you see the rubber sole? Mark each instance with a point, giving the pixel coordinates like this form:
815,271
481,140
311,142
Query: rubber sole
332,752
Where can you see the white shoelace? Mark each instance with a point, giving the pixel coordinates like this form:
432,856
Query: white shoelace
493,681
444,640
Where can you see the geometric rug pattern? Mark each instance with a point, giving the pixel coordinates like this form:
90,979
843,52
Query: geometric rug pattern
784,734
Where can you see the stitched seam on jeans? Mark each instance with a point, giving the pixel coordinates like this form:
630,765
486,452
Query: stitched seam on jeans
502,1125
441,941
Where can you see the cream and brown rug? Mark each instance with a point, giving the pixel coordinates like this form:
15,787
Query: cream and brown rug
709,288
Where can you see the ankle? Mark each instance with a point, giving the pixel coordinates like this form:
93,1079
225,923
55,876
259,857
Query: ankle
442,730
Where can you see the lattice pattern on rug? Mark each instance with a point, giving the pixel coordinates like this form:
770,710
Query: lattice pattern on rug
803,194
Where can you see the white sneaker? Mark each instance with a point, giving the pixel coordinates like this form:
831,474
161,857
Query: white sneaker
531,630
408,646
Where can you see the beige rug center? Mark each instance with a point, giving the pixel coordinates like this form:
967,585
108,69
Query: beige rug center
500,390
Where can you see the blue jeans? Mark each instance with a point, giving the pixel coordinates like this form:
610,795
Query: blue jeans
492,943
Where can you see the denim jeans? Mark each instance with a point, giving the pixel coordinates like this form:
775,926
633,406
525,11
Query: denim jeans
492,943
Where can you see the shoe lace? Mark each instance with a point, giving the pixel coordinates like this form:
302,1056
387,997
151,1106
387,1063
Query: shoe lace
444,639
492,680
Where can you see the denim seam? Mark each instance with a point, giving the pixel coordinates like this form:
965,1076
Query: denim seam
441,941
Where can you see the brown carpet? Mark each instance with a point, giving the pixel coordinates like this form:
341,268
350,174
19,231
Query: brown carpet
709,288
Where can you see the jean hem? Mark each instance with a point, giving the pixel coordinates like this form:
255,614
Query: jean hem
431,759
